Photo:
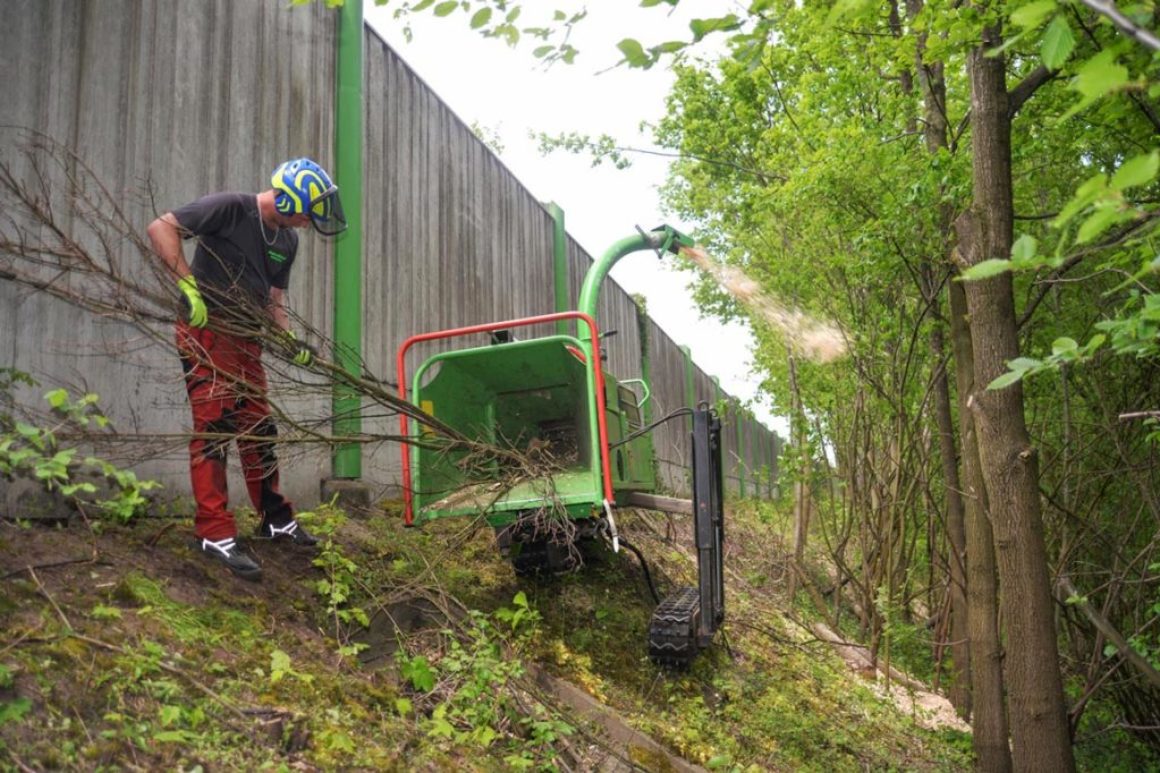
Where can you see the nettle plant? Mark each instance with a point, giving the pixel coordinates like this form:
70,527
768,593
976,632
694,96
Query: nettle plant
37,453
339,588
468,694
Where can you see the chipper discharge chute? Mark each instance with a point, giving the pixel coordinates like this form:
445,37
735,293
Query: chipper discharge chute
549,443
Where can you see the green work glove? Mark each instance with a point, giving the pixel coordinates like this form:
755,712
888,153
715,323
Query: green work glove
198,316
304,354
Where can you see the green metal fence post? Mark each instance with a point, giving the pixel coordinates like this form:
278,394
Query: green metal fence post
643,331
690,390
348,133
560,265
742,452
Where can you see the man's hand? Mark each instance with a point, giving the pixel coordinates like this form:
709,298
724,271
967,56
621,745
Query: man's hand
304,354
198,316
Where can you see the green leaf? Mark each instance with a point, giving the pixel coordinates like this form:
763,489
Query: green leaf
57,397
1100,75
1095,343
418,670
1025,248
1008,43
986,269
169,715
480,17
669,47
446,7
1136,171
14,711
1033,14
1092,188
543,51
633,53
1064,345
703,27
422,5
404,707
1097,77
1024,363
1006,380
484,736
1058,43
441,728
1098,222
279,665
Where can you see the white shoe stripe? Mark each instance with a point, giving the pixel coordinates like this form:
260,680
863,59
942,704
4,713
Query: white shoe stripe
223,546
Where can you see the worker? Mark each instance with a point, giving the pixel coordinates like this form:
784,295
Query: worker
234,299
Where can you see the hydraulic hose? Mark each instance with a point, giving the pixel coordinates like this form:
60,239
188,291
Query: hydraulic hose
644,566
650,427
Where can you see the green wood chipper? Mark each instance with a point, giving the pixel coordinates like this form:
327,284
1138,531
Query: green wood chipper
550,444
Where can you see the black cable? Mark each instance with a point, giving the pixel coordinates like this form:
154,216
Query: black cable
643,565
650,427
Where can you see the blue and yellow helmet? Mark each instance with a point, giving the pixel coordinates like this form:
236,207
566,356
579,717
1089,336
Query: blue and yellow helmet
302,186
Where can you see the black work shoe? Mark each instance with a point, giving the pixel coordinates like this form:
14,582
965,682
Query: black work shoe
292,532
228,552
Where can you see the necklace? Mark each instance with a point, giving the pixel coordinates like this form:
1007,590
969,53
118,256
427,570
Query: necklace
262,226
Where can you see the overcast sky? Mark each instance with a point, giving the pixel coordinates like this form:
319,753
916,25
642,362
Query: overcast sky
508,94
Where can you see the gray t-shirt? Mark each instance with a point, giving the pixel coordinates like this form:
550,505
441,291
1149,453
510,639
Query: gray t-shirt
236,262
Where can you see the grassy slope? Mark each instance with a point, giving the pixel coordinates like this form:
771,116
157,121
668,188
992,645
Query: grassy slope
150,657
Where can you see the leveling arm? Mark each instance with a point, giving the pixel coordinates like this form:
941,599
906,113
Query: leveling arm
684,623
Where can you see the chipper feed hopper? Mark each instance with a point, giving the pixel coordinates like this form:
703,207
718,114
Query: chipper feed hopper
546,437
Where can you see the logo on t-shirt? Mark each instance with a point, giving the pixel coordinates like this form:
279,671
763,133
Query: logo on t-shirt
275,256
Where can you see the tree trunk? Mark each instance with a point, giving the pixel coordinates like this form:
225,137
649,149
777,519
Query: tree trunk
932,82
989,715
801,487
960,688
1037,712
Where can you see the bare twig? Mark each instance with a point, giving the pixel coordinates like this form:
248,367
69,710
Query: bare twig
1139,415
1123,23
44,592
49,565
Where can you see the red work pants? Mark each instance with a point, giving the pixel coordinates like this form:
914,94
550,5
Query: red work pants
227,392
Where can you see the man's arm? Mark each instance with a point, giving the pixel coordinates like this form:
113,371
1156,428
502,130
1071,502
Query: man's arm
304,353
277,309
165,234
